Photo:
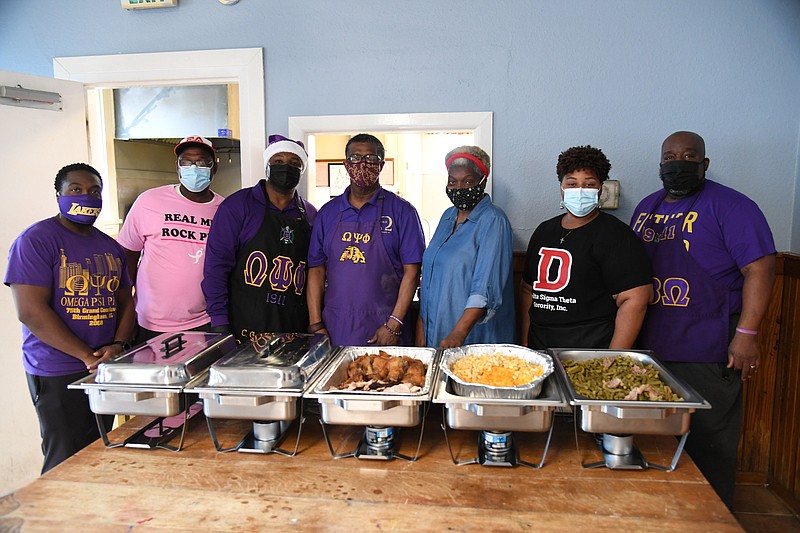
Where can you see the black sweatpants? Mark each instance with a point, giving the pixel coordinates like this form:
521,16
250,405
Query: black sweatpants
66,423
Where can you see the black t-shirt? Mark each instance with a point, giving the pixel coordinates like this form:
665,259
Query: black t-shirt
594,262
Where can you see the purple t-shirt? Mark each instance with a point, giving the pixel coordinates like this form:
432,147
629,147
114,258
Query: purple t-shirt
401,230
84,273
724,231
236,222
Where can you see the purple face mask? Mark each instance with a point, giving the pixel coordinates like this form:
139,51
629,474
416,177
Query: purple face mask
80,208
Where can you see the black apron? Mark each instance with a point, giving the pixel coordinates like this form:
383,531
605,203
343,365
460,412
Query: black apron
268,282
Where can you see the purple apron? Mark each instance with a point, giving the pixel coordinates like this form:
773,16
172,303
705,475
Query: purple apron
362,285
689,319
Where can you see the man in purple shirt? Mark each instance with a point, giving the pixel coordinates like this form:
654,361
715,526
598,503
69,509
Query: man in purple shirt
73,296
713,263
364,258
255,265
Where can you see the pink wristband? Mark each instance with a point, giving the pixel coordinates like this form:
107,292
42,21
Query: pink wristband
747,331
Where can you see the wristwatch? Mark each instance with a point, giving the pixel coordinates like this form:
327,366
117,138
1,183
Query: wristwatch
125,345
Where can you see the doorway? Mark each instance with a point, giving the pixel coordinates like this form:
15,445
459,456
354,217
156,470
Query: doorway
243,66
416,143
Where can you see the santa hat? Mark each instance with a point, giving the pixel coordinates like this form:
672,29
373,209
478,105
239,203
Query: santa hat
278,143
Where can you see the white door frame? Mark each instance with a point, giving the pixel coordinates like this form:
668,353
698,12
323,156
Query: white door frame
479,122
244,66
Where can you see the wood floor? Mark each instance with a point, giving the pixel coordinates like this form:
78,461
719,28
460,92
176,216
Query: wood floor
760,511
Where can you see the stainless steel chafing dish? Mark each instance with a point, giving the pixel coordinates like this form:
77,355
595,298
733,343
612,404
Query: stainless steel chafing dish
380,412
498,411
617,420
150,380
263,382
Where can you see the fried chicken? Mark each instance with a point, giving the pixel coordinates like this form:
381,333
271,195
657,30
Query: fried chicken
384,370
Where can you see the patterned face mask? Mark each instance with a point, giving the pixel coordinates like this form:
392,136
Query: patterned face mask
466,199
363,174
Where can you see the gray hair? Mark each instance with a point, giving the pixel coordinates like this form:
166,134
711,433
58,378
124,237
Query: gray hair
463,162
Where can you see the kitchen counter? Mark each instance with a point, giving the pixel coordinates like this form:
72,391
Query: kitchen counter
200,489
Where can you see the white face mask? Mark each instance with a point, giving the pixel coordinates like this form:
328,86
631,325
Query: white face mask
581,201
195,179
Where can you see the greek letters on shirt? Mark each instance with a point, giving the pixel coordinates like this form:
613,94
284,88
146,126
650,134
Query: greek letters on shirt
554,272
353,252
88,288
283,275
670,291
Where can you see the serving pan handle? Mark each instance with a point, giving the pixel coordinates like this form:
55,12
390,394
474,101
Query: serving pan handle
366,405
172,345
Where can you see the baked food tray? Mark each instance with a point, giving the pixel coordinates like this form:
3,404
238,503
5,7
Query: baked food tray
478,390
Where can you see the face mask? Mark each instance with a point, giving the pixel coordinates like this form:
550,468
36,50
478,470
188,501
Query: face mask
466,199
284,177
681,178
363,174
581,201
195,179
80,208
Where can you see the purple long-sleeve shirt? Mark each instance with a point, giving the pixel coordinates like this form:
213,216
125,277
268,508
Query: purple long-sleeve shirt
236,222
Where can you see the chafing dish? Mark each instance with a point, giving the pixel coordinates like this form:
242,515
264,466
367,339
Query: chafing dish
498,411
619,419
264,382
151,378
379,411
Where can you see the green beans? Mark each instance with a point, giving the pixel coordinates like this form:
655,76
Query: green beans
618,378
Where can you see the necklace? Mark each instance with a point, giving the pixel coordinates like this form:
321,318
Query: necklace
564,235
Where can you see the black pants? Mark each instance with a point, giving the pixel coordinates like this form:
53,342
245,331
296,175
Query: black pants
66,423
713,442
144,334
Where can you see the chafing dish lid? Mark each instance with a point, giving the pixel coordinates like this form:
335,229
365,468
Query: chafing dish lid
275,361
167,359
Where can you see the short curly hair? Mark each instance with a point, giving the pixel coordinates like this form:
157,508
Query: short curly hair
62,174
583,157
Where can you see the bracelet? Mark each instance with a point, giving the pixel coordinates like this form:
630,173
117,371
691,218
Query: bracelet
393,332
396,320
747,331
316,326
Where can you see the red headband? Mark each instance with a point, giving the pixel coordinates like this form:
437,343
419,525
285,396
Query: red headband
472,158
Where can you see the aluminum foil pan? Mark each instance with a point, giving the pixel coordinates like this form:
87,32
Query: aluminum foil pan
476,390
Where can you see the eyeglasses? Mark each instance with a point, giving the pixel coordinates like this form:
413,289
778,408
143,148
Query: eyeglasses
369,158
185,163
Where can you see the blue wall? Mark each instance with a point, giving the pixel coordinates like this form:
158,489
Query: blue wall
618,74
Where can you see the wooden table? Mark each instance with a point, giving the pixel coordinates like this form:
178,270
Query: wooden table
199,489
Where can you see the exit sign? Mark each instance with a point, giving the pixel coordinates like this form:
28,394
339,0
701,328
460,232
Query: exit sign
145,4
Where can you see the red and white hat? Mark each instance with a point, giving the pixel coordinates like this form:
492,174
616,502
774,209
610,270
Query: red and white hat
194,140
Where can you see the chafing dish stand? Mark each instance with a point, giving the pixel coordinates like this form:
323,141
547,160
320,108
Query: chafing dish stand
615,422
150,380
382,413
264,382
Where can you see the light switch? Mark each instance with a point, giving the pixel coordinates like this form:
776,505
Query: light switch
609,196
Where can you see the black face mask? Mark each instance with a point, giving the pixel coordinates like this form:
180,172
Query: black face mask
283,177
681,178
